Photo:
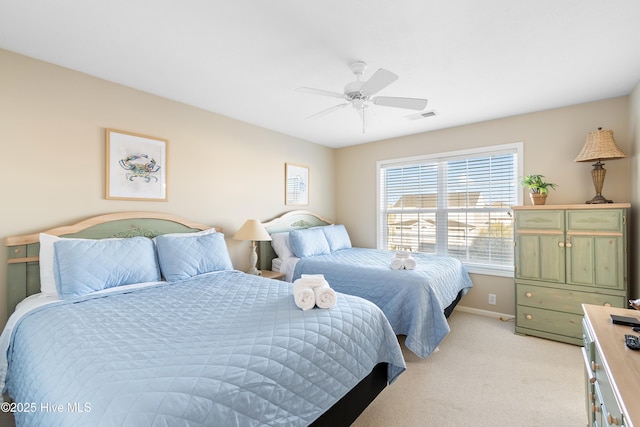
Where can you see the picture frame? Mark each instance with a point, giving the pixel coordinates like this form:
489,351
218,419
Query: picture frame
296,191
136,166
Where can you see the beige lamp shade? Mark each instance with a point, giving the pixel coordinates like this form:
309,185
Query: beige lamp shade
600,145
253,230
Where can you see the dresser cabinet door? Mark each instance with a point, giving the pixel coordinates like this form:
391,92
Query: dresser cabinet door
540,257
596,261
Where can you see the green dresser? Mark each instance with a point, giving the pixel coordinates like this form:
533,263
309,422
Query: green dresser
566,256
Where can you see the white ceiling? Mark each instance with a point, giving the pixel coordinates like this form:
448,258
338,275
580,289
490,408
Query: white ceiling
474,60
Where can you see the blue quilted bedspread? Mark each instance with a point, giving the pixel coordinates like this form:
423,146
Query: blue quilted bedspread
222,349
413,300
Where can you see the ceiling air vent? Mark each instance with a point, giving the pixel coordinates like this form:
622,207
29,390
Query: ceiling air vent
422,115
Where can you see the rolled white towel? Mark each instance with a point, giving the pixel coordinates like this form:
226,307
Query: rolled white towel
396,263
312,276
304,296
402,254
312,280
325,297
409,263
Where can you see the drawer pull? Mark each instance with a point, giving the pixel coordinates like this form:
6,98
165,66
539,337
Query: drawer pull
597,408
569,245
528,294
606,304
17,251
594,366
561,244
611,419
529,317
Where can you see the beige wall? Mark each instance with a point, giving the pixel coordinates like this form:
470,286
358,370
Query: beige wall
52,156
634,177
552,139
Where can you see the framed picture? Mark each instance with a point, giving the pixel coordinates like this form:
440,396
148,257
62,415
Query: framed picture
296,191
136,167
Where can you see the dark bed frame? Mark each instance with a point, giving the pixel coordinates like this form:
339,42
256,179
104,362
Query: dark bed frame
23,279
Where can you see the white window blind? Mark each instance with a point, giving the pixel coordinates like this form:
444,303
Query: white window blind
458,204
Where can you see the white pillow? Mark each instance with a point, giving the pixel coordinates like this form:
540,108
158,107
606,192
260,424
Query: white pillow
280,244
47,276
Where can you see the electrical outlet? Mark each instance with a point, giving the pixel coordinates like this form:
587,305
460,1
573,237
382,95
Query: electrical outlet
492,299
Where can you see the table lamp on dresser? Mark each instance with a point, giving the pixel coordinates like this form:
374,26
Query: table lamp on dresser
254,231
600,146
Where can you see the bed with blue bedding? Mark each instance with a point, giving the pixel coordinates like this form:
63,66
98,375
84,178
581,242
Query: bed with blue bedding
217,347
415,301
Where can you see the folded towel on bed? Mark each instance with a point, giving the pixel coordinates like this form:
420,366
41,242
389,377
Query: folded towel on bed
396,263
311,290
403,260
304,296
409,263
312,280
325,296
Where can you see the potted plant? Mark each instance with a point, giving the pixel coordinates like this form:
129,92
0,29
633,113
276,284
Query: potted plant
538,188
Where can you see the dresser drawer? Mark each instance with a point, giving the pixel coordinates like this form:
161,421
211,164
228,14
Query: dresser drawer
552,219
609,220
557,322
588,342
611,412
562,299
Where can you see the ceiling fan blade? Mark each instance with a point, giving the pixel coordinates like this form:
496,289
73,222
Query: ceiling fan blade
327,111
408,103
378,81
313,91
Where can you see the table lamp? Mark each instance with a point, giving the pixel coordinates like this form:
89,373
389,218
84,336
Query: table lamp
600,145
252,230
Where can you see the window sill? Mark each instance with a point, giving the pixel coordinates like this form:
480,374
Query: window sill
489,271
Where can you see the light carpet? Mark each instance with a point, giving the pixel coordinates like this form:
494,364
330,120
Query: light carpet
485,375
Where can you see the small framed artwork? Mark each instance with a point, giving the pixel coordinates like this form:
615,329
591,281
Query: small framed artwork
136,166
296,192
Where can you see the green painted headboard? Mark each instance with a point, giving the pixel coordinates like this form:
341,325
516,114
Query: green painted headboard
23,271
292,220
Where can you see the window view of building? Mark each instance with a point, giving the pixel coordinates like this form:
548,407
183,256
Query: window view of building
458,206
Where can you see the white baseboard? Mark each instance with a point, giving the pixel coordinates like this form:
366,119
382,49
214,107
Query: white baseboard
486,313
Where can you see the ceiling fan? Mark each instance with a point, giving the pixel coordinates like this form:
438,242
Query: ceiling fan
359,93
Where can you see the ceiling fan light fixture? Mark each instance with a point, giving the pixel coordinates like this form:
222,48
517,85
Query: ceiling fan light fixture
358,68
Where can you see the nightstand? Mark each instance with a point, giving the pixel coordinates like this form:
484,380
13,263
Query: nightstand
268,274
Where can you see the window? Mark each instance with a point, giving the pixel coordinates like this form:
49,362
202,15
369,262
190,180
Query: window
456,204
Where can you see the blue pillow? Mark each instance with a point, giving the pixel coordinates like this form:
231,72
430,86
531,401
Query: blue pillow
337,237
84,266
182,256
308,242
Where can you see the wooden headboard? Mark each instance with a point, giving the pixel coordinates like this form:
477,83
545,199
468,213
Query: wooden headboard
23,272
292,220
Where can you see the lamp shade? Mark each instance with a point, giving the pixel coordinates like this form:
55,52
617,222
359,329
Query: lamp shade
600,145
252,229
